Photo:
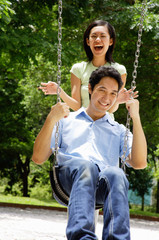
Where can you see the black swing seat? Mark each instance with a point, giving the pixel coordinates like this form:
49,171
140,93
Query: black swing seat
59,193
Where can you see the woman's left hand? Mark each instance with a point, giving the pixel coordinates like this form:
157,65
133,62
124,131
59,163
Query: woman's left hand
126,95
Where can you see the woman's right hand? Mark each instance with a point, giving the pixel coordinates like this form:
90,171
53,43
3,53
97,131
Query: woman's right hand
49,88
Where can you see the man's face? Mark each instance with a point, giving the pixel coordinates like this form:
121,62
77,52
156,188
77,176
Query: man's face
103,95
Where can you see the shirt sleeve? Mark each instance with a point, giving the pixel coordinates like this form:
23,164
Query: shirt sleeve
120,68
77,69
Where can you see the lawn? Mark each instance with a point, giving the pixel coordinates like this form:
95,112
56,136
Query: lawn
135,210
29,201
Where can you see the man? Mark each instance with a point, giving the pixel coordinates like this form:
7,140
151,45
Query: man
90,144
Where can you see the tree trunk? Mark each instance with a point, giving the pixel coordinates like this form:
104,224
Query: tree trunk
25,169
142,206
157,205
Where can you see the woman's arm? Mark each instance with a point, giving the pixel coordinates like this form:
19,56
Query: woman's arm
73,102
115,107
76,91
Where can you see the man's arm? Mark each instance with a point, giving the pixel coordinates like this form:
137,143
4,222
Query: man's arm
138,156
41,150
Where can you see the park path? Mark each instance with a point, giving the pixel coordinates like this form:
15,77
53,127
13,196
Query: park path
39,224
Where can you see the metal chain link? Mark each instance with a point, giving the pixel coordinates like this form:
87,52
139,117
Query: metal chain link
133,83
59,64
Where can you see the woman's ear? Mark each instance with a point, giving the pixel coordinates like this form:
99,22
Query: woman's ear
111,42
89,88
87,41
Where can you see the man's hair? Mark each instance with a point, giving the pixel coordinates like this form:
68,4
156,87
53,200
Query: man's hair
102,72
111,32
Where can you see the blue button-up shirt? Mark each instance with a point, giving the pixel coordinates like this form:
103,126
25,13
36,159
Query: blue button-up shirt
100,141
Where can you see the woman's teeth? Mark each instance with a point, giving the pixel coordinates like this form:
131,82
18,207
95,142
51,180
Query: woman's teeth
98,47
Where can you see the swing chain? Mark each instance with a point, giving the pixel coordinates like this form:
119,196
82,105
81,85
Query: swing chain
59,64
134,75
133,83
137,53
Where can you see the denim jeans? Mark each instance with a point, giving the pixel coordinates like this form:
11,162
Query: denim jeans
86,186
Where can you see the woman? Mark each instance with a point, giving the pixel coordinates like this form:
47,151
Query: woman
99,42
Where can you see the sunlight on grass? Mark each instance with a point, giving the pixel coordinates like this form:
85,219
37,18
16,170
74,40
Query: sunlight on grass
52,203
29,201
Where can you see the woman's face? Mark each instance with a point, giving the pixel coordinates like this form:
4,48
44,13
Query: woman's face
99,41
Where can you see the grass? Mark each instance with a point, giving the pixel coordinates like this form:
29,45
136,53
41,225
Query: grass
52,203
135,211
143,213
29,201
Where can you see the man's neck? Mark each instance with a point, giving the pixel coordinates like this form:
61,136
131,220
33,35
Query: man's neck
93,114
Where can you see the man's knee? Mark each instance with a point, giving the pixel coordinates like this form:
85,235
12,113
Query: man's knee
86,170
115,176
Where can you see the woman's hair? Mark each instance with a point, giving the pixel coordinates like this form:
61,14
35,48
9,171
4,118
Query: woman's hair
111,31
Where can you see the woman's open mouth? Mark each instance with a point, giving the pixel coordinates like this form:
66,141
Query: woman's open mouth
98,47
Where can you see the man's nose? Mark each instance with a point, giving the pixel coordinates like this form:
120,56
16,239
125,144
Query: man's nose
106,97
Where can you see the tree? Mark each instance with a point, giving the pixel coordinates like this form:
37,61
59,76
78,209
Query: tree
20,41
141,183
156,164
5,13
28,55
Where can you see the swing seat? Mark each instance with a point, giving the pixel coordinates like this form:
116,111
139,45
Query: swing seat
58,192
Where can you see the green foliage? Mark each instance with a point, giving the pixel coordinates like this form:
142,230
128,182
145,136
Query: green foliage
28,56
5,13
141,181
156,162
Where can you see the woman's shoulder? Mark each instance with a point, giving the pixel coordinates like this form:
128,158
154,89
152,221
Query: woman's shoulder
121,68
79,65
78,69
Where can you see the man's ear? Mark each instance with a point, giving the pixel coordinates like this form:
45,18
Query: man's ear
89,88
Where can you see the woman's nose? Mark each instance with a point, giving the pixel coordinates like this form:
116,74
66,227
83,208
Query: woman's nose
98,38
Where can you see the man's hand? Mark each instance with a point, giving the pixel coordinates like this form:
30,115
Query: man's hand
41,150
138,157
59,111
133,108
49,88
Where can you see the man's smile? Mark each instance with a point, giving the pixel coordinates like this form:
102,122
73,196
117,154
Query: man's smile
103,104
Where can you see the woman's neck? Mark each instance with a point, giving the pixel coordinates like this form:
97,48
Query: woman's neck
97,62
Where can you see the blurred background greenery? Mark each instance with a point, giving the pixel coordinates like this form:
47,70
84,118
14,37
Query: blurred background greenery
28,56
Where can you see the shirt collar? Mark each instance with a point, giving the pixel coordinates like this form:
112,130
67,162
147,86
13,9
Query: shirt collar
107,117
